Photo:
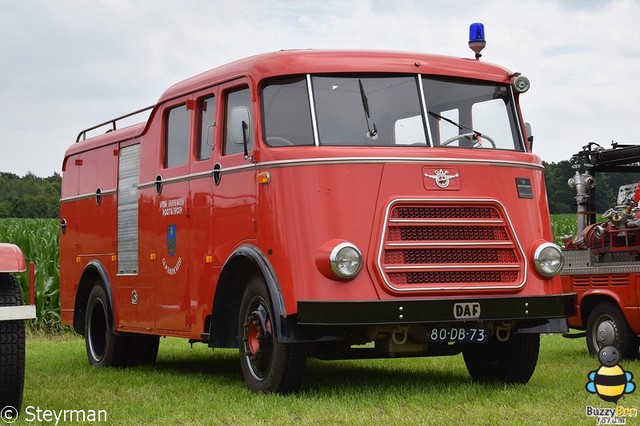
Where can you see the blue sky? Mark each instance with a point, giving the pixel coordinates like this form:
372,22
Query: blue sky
70,64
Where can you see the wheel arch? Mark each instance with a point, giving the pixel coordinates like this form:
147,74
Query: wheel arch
93,272
246,261
589,301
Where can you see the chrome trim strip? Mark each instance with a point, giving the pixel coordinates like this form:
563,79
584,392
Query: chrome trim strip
425,115
312,108
348,160
450,221
514,110
88,195
447,267
453,244
178,179
198,175
516,245
379,160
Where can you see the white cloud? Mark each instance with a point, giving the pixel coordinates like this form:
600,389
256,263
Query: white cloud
70,64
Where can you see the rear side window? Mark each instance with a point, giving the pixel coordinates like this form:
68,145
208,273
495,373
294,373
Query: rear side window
207,109
176,136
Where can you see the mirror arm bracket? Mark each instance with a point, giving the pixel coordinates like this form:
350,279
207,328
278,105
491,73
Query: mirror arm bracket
245,142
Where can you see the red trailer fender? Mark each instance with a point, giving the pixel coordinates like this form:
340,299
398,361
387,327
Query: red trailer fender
11,261
11,258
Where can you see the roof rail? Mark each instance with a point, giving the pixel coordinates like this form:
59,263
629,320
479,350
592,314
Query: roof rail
83,134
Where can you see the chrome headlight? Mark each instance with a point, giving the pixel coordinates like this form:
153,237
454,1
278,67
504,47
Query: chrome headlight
548,259
345,260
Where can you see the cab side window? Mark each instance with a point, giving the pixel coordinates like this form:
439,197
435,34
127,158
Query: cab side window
206,128
176,144
237,101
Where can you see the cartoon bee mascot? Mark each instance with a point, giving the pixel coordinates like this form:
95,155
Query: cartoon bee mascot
610,381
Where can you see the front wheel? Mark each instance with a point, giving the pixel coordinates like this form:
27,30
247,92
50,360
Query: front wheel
513,361
268,366
12,341
606,326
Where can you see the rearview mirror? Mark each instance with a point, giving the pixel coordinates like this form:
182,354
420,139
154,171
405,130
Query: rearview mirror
527,128
240,124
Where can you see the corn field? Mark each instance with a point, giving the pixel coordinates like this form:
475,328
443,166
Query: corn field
39,241
563,224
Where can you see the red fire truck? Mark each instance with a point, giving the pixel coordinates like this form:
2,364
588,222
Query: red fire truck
334,204
12,334
602,259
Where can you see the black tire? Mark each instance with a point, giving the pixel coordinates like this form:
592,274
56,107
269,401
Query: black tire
108,349
268,366
606,325
513,361
12,346
144,347
104,347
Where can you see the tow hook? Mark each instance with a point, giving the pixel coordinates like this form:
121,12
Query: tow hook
399,335
503,333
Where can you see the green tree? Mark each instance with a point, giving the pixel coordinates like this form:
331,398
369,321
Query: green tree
561,197
29,196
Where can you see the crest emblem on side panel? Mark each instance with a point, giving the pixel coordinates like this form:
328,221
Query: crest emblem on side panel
171,239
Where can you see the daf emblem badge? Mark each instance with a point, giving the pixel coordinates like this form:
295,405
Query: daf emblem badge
442,177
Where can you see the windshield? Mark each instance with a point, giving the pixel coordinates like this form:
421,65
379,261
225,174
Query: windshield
470,114
386,110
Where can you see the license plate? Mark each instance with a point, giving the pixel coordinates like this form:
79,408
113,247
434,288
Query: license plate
458,334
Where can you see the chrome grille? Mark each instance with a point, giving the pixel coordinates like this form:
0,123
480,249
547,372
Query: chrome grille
429,245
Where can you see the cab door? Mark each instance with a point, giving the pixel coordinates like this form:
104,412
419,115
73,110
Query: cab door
234,207
171,219
202,269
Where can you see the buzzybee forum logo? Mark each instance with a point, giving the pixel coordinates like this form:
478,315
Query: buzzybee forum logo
610,382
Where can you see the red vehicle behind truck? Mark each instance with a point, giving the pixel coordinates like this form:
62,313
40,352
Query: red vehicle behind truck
12,330
603,258
334,204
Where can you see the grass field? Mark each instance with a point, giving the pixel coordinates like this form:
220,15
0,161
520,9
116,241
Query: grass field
200,386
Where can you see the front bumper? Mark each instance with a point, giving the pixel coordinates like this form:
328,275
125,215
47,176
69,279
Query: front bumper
415,311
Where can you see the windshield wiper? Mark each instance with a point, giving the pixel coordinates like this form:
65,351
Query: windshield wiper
372,132
476,134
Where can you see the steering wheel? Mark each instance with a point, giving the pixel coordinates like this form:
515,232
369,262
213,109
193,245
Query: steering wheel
279,141
470,135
